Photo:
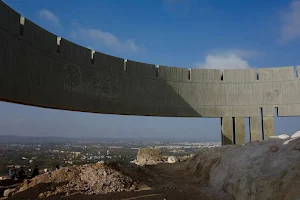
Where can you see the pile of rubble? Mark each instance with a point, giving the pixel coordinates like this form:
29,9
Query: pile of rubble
97,178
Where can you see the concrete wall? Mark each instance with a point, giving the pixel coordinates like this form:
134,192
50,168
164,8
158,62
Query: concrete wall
38,68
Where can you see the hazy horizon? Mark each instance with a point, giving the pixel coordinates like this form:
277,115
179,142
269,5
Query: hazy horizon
21,120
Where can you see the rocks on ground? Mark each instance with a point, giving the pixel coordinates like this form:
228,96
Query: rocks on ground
9,192
172,159
149,156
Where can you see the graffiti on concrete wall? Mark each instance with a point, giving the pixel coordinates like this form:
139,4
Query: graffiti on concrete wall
71,76
107,83
273,94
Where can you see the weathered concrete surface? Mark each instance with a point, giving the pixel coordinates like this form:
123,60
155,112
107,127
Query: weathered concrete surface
37,70
268,127
240,130
227,130
255,129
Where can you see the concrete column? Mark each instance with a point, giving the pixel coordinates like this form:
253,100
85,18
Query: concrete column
268,123
227,130
240,130
255,129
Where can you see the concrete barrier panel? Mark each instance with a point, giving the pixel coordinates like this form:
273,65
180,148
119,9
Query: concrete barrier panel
268,111
8,52
39,37
75,53
268,127
204,75
243,111
276,74
239,75
108,63
255,129
53,76
227,130
234,94
168,73
183,75
289,110
9,19
141,70
24,61
240,130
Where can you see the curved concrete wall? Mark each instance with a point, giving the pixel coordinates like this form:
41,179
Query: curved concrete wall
38,68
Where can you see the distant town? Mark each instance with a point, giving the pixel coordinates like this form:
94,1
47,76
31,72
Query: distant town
49,152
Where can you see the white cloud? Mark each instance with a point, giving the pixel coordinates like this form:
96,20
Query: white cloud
290,28
231,59
49,16
99,38
244,53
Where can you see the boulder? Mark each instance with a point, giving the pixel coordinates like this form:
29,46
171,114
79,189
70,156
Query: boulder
149,156
172,159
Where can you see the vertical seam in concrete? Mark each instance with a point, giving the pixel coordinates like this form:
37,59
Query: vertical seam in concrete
249,125
262,123
233,131
222,140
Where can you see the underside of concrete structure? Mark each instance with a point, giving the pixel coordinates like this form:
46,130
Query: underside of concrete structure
41,69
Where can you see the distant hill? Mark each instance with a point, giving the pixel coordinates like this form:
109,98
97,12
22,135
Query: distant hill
7,139
29,139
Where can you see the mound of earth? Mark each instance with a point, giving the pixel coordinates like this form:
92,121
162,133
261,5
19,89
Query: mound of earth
258,170
89,179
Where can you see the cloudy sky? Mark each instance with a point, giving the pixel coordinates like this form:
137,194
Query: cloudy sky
184,33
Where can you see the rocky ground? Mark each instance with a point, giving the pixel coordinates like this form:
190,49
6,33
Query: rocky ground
256,171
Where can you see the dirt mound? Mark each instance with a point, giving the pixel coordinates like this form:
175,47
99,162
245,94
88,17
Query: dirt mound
97,178
259,170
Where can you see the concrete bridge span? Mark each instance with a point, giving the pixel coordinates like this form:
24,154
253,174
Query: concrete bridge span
41,69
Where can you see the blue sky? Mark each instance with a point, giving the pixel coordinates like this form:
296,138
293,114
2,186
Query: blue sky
182,33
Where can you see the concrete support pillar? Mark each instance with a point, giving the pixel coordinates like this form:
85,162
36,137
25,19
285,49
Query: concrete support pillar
268,127
255,129
227,130
240,130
